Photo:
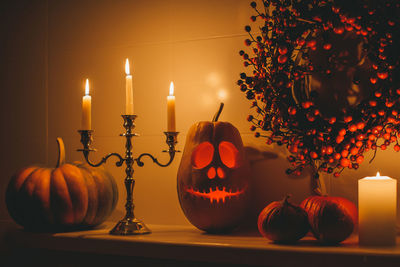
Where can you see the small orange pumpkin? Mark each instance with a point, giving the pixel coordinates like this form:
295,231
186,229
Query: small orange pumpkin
213,176
332,219
68,196
283,222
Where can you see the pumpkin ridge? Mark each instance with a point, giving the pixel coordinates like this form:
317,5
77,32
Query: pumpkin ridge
77,190
271,212
307,203
200,128
104,194
323,209
213,125
60,198
114,188
105,211
13,190
93,204
28,180
21,197
275,211
42,193
18,177
28,191
314,206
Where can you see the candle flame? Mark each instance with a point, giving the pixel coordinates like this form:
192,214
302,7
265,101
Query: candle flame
171,89
377,177
87,87
127,70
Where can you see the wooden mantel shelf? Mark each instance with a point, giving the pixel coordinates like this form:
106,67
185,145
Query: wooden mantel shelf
187,244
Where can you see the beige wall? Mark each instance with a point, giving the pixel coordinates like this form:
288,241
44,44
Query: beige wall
193,43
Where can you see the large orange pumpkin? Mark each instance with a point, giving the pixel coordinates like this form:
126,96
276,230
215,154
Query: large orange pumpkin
213,176
68,196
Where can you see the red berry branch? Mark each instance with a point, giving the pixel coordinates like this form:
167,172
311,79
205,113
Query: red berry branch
282,61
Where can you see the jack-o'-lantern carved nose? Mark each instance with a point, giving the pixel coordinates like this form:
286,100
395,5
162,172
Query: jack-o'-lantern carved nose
211,173
221,173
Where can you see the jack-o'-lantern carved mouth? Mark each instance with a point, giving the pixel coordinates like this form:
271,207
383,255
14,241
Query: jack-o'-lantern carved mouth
217,194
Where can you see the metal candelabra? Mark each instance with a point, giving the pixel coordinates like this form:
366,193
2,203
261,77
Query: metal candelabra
129,225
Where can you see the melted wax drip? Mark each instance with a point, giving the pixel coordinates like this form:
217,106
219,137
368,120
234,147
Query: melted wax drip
216,194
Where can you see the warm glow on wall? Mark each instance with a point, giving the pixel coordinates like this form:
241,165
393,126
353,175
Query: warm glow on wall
222,95
214,90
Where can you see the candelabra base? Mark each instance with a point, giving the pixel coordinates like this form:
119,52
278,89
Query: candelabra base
130,227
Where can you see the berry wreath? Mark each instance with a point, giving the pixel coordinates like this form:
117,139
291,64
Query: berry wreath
325,79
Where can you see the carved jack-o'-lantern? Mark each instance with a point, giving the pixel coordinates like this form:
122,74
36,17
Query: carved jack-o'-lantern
212,176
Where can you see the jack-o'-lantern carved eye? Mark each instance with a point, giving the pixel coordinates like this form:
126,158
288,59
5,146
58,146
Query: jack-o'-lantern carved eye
202,155
228,154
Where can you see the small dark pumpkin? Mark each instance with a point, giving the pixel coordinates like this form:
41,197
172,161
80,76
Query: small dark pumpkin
68,196
332,219
213,185
283,222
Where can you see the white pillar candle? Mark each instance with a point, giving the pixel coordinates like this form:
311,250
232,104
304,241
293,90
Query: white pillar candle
171,109
377,205
87,109
129,90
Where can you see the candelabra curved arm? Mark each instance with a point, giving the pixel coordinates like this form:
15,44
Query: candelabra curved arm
104,159
140,163
171,142
86,140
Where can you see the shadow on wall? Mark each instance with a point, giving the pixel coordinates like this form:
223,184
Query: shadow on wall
269,180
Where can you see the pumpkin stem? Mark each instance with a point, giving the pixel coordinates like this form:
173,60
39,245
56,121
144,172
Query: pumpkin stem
285,201
216,116
61,152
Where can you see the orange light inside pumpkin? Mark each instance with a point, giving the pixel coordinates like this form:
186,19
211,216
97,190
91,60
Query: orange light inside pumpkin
211,173
228,154
221,173
203,155
216,194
